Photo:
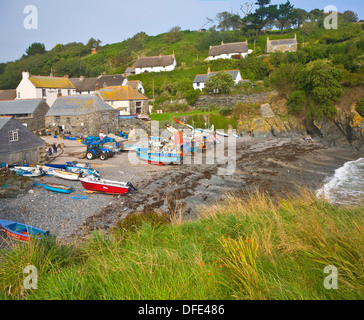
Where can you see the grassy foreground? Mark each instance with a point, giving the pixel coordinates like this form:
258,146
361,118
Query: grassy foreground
241,249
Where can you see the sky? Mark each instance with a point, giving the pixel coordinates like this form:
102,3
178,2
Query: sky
113,21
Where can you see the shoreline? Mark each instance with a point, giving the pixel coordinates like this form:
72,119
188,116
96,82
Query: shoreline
278,167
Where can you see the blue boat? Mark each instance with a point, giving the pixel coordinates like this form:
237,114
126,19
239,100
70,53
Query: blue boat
158,158
57,188
21,232
68,164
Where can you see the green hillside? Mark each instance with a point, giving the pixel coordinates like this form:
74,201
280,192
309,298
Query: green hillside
344,48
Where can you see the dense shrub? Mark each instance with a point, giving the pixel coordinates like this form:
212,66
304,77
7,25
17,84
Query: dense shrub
296,102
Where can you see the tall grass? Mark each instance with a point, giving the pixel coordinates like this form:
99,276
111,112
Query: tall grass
252,248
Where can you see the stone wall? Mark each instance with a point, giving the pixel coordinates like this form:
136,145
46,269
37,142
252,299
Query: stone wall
126,125
233,99
37,119
89,124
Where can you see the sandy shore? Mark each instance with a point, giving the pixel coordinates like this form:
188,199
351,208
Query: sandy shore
279,167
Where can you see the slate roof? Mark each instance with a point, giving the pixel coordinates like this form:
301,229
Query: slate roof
12,107
89,84
155,61
121,93
78,105
4,121
225,48
51,82
282,41
8,94
205,77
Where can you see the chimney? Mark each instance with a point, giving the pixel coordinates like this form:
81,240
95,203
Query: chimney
67,76
82,78
160,56
295,35
267,39
97,87
208,70
105,85
25,75
222,43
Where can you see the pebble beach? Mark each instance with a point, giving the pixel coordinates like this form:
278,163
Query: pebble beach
278,167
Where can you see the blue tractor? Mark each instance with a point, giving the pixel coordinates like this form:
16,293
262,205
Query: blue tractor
96,150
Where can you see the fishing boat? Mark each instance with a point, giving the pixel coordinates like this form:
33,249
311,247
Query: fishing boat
68,164
83,171
184,124
66,175
27,171
57,188
158,158
106,186
21,232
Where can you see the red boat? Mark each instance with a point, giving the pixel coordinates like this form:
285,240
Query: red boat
92,183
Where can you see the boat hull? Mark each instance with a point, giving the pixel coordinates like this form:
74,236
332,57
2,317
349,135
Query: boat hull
65,175
20,232
158,158
58,188
99,187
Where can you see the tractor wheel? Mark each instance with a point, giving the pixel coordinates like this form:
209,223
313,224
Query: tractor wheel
103,156
90,155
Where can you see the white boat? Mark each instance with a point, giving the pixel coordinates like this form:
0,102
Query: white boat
29,171
65,174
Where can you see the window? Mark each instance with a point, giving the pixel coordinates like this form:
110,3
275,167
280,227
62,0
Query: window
69,92
68,119
59,91
44,93
58,119
105,116
13,135
138,103
197,84
18,95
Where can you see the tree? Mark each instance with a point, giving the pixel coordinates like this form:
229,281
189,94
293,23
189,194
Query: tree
93,43
35,48
300,15
227,21
350,16
173,35
285,15
222,82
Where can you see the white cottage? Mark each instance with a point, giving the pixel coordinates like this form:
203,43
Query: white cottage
235,50
200,79
155,64
46,88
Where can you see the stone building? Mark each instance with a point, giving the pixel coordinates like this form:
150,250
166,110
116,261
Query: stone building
82,115
31,112
18,145
125,99
282,45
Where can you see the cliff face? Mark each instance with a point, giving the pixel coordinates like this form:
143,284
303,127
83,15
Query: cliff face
343,132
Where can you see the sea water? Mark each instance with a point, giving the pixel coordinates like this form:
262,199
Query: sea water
347,185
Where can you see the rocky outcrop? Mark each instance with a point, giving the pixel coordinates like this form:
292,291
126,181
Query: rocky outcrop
343,132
